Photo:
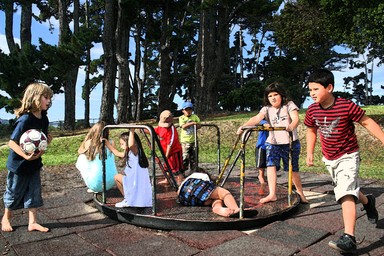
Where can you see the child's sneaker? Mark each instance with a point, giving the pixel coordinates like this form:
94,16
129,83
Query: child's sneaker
122,204
346,243
370,208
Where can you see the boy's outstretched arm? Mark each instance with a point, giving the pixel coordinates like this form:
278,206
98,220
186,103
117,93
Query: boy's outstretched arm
372,127
311,141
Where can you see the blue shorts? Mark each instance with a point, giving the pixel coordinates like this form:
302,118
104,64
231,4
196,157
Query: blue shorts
23,191
276,153
194,192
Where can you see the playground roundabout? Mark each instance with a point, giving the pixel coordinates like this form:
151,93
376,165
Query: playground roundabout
167,214
170,215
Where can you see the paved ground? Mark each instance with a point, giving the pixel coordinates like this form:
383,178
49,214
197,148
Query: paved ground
77,228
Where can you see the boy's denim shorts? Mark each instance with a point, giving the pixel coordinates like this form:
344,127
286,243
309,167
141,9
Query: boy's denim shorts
23,191
276,153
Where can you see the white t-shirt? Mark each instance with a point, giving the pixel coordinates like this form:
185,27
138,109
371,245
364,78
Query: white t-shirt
279,117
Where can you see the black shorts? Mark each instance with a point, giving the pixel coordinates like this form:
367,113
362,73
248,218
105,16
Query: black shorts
261,158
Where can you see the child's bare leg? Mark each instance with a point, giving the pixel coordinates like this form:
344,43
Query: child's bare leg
226,196
119,182
261,175
299,187
179,179
33,225
219,209
363,198
272,184
348,207
262,181
6,221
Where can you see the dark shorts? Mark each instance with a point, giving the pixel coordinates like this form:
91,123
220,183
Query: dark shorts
194,192
261,158
277,153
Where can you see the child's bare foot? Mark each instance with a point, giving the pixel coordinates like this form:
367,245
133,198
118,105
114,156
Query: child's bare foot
268,199
303,200
223,211
37,227
261,190
164,181
6,225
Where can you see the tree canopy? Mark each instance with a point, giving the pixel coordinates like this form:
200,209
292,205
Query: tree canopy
218,54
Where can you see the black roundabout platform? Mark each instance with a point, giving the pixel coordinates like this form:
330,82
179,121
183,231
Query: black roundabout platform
172,216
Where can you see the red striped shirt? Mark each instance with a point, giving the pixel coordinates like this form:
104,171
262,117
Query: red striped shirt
336,126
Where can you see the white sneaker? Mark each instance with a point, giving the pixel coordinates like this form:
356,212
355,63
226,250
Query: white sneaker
122,204
90,191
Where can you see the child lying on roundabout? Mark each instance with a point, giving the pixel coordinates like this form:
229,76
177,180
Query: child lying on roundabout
198,190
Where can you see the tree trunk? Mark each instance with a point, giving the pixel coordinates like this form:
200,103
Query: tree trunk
71,76
136,79
87,87
212,48
142,83
165,91
25,24
110,62
122,49
8,8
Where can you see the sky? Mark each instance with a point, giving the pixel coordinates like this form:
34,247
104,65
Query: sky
56,112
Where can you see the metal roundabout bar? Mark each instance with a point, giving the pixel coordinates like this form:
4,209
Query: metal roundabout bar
167,214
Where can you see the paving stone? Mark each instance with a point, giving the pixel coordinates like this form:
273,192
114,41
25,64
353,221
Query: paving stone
68,211
87,222
320,249
58,201
250,245
6,248
319,218
125,239
67,245
291,235
206,239
156,245
21,235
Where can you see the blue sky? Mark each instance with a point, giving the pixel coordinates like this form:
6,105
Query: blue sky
56,112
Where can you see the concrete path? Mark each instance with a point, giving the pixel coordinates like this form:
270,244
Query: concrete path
77,228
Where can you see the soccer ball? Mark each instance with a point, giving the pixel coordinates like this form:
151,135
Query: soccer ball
33,141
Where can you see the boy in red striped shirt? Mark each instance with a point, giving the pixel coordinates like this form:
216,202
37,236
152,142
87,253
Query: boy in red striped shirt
334,119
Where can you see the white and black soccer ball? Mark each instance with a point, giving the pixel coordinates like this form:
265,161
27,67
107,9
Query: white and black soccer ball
33,141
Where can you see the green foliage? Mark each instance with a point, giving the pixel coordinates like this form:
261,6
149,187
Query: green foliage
249,97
